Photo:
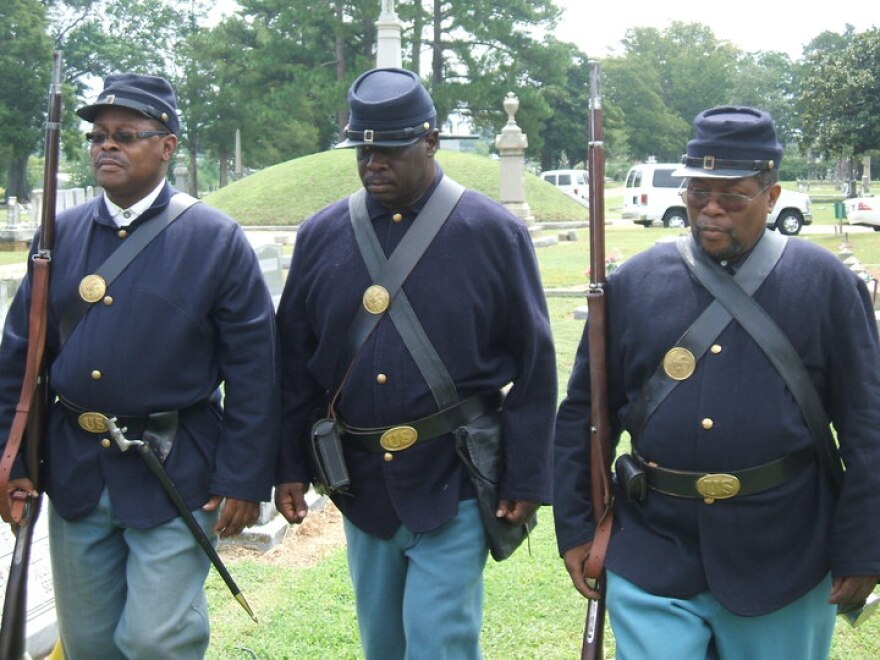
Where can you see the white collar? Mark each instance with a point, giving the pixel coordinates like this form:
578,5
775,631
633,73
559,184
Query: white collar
124,217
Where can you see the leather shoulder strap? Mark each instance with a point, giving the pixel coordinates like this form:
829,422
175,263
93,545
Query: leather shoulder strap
778,349
705,330
391,273
124,255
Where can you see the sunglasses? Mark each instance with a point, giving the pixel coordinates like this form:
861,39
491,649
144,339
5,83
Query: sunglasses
730,202
122,137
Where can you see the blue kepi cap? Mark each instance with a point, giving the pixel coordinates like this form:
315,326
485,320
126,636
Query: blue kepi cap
388,108
731,142
150,95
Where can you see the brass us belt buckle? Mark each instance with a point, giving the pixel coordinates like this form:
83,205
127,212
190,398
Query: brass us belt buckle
398,438
93,422
717,487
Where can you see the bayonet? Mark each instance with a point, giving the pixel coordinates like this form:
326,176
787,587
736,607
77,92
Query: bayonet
155,466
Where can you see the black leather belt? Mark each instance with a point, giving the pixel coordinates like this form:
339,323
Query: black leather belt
95,422
711,486
159,429
402,436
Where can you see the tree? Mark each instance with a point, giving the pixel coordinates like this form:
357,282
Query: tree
769,80
561,75
838,98
25,63
475,45
652,127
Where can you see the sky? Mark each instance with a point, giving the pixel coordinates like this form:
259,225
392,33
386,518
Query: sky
751,25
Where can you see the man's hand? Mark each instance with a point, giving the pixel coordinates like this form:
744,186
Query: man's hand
575,561
17,490
290,500
851,591
516,512
236,515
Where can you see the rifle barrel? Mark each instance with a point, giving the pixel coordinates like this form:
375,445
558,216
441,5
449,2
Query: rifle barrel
52,148
599,436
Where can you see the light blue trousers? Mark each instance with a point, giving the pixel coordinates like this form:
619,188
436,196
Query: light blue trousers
420,595
649,626
129,593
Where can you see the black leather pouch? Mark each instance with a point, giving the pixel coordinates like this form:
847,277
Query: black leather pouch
480,447
331,473
632,477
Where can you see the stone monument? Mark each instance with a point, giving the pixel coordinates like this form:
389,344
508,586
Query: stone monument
511,145
388,37
18,230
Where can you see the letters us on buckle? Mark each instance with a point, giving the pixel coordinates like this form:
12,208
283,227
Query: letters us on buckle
717,487
398,438
93,422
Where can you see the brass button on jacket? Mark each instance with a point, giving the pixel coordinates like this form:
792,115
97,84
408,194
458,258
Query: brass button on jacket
716,349
388,457
122,233
381,379
96,375
105,443
708,423
397,217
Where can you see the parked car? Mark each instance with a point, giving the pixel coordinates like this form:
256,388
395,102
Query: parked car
651,194
863,211
574,182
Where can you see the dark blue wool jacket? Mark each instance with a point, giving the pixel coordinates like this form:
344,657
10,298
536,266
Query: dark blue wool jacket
190,312
478,295
754,553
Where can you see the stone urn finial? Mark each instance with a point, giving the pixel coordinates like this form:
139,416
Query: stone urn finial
511,105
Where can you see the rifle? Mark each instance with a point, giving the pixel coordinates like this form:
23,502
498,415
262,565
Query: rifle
22,508
597,332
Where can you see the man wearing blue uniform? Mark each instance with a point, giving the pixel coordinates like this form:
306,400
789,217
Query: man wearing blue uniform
735,534
416,545
152,348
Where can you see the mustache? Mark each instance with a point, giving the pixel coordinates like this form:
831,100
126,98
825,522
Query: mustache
377,180
703,226
104,159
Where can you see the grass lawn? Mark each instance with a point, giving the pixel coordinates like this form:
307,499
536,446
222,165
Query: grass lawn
532,611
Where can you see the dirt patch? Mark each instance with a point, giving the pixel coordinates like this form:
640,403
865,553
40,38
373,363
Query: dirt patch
304,545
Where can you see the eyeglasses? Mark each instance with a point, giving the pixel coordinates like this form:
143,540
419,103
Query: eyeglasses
730,202
122,137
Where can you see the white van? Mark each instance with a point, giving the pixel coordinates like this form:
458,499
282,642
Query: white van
651,194
574,182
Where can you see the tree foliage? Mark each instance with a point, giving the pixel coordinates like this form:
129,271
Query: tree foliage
277,72
25,70
838,97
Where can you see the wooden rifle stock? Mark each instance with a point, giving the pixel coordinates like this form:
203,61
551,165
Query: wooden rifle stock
600,433
29,415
